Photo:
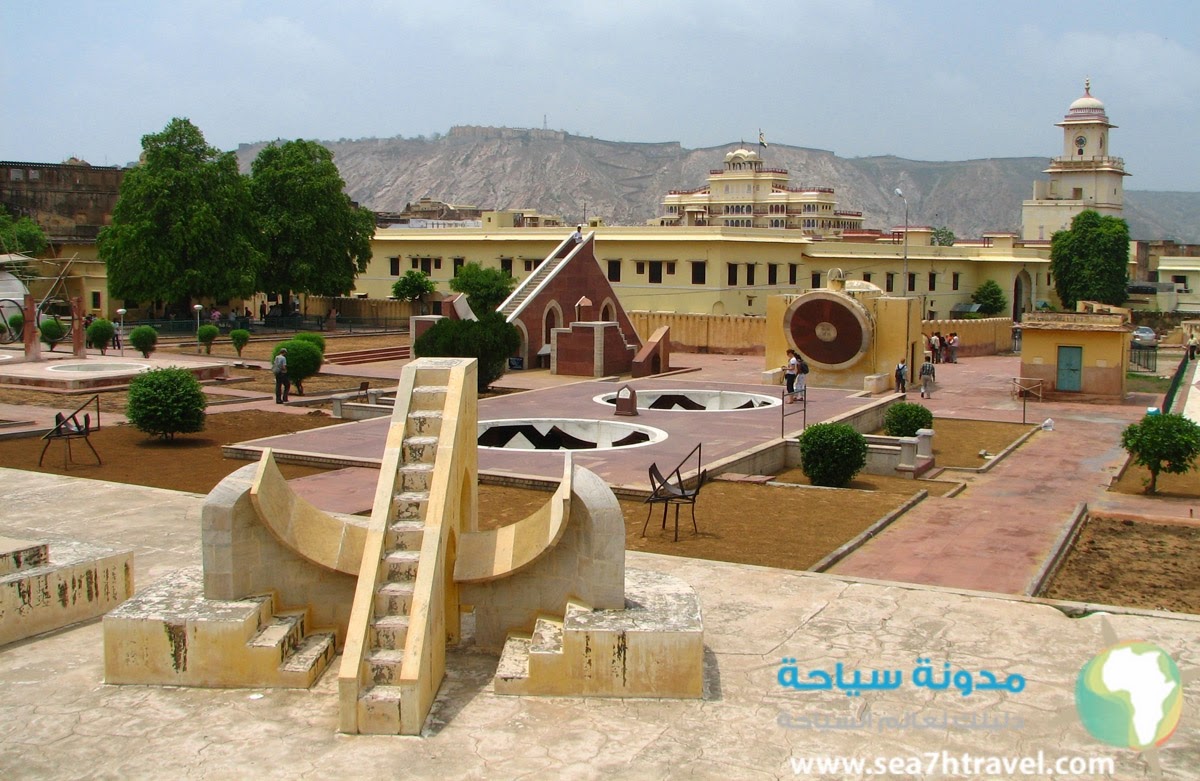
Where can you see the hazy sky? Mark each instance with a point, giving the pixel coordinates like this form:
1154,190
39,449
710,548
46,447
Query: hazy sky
930,80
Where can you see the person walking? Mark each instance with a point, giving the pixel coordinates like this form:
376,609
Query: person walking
935,346
902,377
927,374
1193,345
791,370
282,382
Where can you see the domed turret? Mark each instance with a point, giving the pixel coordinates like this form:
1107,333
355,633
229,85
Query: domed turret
1086,108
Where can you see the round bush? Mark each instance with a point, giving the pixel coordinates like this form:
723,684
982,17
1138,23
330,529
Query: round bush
489,339
207,334
832,454
303,359
240,338
100,334
16,324
166,402
905,419
315,340
52,331
144,339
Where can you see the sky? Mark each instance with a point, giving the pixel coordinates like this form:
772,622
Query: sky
923,80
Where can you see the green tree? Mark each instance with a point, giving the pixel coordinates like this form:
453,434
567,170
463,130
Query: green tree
52,332
1090,261
990,298
166,402
144,339
182,227
206,335
240,338
304,359
1162,443
942,237
485,288
21,236
99,334
831,454
489,339
314,238
905,419
413,286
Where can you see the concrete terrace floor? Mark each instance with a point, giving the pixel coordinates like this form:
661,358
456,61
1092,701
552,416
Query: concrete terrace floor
61,721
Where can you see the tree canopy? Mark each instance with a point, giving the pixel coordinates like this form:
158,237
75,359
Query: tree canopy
942,237
485,288
23,236
1090,260
1162,443
413,286
182,227
990,298
314,239
489,339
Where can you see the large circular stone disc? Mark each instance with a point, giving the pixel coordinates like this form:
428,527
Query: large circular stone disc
829,329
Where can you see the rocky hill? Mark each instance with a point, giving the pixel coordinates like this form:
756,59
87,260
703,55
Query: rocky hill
623,182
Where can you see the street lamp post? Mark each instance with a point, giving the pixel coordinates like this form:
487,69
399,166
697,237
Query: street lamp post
907,314
197,309
121,332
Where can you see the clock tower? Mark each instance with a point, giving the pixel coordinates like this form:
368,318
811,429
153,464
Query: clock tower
1085,177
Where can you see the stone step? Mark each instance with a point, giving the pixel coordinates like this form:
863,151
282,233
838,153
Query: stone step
379,711
547,636
401,565
390,632
410,506
428,397
424,422
383,665
405,535
420,449
282,633
514,659
310,658
415,477
394,599
17,555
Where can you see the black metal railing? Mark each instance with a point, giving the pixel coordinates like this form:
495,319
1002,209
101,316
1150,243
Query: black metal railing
1176,382
1143,358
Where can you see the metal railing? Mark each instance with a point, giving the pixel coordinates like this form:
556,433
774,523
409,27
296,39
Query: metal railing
1143,358
1176,382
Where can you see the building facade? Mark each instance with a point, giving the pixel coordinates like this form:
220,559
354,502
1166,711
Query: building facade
745,193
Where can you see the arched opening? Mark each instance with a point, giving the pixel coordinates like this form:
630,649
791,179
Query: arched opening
1022,299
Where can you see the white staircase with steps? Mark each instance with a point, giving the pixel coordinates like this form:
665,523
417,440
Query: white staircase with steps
532,283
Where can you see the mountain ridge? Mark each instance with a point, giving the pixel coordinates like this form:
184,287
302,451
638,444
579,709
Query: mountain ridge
623,182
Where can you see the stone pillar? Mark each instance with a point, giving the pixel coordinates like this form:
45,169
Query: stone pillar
33,346
925,443
626,401
78,345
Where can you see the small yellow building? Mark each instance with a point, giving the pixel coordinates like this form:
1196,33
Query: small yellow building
1082,352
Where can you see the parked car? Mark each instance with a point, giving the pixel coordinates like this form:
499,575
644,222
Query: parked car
1144,336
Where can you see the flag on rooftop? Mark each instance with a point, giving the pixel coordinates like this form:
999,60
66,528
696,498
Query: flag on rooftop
762,140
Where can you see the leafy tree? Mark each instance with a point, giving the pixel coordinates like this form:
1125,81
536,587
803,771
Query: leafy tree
1162,443
905,419
16,325
100,333
942,237
315,239
990,298
240,338
208,334
489,339
182,227
413,286
1090,260
52,332
303,361
316,340
144,339
166,402
485,288
22,236
831,454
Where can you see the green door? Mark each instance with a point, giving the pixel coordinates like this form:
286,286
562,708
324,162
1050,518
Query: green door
1070,369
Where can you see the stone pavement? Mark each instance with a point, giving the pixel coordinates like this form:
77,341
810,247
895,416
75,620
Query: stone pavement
59,720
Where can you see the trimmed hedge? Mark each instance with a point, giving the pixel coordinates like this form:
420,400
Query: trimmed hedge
144,339
832,454
166,402
905,419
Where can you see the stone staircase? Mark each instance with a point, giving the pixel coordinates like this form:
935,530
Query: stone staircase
530,284
654,647
171,634
373,355
379,694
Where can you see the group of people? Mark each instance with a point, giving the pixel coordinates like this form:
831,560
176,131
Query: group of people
926,376
793,375
943,348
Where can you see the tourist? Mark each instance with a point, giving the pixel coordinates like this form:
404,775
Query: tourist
790,371
954,347
1193,345
282,382
902,377
928,374
577,236
935,346
262,311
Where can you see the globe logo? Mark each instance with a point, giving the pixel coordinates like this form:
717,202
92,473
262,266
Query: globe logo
1130,695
